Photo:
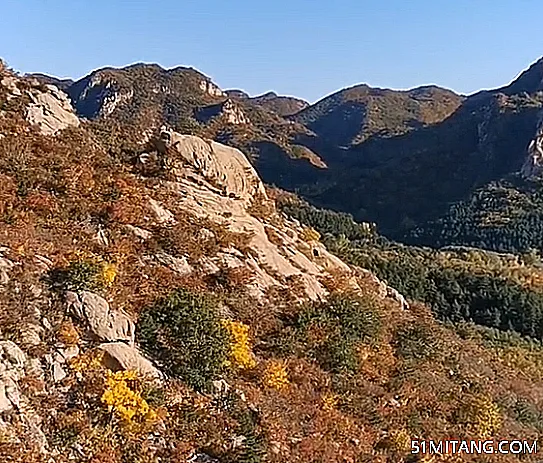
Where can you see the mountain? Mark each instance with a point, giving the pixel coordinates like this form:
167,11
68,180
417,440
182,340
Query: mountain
282,105
529,81
159,304
403,182
188,101
62,84
400,159
355,114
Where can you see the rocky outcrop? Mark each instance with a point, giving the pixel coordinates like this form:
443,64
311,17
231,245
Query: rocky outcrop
210,88
229,111
51,111
533,165
103,322
119,356
218,183
98,95
46,107
12,369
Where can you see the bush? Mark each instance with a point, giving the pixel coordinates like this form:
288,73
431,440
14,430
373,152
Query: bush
84,274
185,334
241,353
124,399
334,329
417,342
481,415
78,276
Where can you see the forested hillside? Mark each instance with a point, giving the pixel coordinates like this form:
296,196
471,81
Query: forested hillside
503,291
156,306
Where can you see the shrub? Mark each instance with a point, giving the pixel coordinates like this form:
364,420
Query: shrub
186,336
309,234
124,399
90,274
482,416
80,275
68,334
240,348
108,274
417,342
330,402
338,354
333,330
275,375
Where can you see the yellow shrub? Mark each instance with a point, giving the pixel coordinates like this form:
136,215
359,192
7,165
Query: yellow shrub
330,402
240,349
122,397
88,361
310,234
276,376
109,273
483,416
400,440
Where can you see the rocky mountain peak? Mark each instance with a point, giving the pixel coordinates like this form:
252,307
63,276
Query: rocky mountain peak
533,165
529,81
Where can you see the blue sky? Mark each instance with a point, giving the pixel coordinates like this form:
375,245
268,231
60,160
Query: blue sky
295,47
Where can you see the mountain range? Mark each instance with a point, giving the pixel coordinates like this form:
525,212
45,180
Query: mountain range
161,303
400,159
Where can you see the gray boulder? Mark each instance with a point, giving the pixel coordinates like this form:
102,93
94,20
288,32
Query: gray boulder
104,323
119,356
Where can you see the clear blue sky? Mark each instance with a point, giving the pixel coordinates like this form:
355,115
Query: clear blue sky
307,48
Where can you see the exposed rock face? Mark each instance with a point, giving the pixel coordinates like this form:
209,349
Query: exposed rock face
228,110
210,88
12,369
48,107
51,111
218,183
120,356
97,96
104,323
533,165
163,215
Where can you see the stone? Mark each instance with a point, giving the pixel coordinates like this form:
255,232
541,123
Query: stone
397,296
179,265
120,356
58,359
58,372
210,88
533,164
51,111
220,387
5,266
139,232
12,354
12,368
202,458
162,214
104,323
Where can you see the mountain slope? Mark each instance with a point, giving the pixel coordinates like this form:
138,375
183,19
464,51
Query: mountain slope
282,105
149,96
158,307
353,115
396,158
403,181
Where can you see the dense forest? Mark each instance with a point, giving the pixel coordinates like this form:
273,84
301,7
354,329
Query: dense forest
461,284
505,216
